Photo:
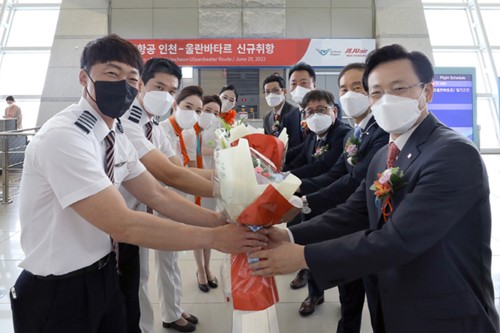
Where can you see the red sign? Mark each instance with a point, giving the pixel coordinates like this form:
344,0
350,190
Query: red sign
256,52
225,52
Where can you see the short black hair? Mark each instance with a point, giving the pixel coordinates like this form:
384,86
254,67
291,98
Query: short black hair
274,78
355,65
212,99
420,63
318,95
111,48
10,98
160,65
229,87
302,66
189,91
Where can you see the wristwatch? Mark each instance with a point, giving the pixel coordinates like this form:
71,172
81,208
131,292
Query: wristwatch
305,205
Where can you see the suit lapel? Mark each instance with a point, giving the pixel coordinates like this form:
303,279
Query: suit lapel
380,164
270,121
284,112
409,153
312,145
411,149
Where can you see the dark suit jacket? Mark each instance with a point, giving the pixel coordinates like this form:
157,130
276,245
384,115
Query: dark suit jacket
292,153
305,165
289,118
432,259
335,186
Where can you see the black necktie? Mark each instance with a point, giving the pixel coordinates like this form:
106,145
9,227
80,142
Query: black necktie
110,155
320,143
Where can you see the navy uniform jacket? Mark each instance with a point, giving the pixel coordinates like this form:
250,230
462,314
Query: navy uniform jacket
305,165
289,118
432,258
335,186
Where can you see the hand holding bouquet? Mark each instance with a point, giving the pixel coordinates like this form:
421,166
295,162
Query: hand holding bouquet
252,191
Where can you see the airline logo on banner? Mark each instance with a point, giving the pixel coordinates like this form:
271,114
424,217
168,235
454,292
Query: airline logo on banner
256,52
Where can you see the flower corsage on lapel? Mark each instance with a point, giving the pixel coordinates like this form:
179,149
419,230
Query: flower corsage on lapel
388,182
320,151
351,149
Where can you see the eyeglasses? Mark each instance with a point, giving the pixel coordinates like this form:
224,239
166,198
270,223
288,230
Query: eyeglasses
377,93
275,91
319,110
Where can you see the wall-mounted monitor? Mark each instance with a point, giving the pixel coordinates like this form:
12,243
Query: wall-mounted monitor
454,101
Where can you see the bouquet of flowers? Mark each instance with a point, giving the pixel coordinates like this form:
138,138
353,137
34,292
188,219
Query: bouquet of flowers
252,191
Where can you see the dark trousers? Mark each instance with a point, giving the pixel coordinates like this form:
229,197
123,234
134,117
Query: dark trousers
129,274
90,302
373,298
352,298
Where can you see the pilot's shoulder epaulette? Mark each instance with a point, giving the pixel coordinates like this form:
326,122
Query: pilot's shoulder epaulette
86,121
135,114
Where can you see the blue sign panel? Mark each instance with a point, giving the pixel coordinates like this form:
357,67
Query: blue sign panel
454,100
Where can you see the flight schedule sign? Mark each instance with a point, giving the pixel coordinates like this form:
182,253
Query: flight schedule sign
454,100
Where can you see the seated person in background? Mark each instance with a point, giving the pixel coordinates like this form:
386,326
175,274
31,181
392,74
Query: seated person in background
323,147
13,111
283,114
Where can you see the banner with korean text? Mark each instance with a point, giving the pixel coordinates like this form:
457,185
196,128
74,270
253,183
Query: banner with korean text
256,52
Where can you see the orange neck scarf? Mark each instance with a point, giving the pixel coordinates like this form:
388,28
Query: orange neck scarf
178,132
228,116
199,159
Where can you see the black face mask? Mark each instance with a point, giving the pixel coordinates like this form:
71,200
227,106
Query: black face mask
113,98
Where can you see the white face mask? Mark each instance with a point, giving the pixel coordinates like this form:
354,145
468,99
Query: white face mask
226,106
299,93
186,118
354,104
318,123
207,120
158,102
274,99
396,114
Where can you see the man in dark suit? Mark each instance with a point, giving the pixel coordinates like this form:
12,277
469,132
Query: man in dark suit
424,235
283,114
334,187
323,147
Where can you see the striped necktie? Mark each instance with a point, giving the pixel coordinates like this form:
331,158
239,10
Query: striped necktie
149,136
110,171
110,155
149,131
